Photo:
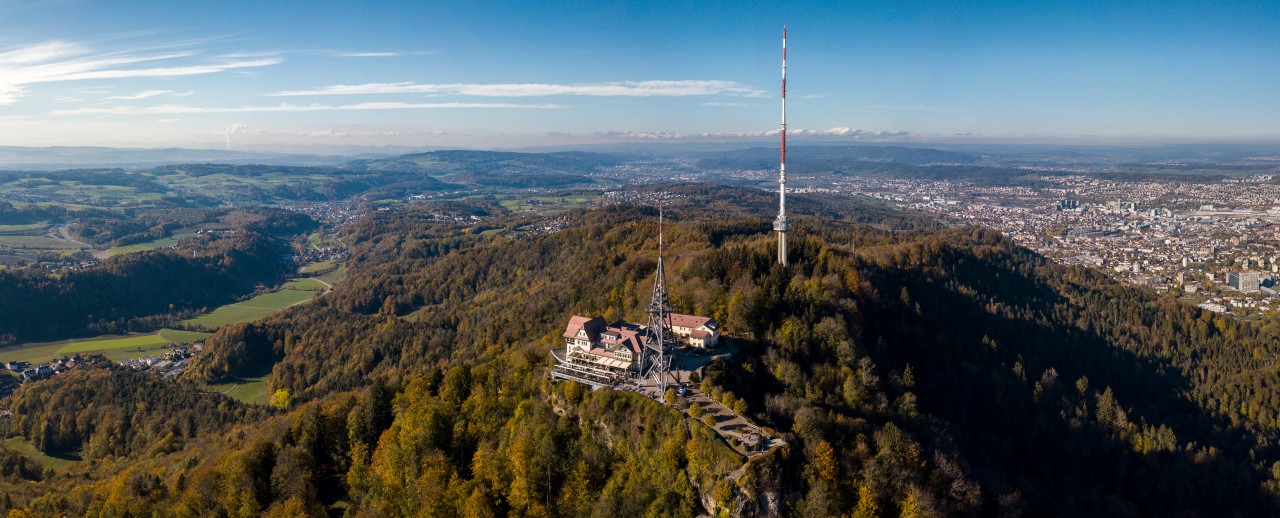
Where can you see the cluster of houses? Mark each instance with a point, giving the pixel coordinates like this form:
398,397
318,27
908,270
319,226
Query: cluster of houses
168,365
38,372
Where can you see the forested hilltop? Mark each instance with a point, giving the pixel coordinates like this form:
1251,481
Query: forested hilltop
915,371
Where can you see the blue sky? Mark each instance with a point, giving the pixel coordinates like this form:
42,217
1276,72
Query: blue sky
256,74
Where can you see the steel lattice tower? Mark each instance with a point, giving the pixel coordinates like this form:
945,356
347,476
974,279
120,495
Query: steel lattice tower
660,318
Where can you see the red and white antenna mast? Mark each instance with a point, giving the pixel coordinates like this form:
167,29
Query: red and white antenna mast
780,224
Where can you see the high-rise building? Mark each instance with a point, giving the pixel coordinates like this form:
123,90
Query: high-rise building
1246,281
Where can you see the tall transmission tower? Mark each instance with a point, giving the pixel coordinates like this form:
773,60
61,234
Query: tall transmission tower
781,224
660,319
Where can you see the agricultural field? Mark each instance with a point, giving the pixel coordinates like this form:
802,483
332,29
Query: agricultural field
115,346
37,243
299,290
149,245
135,342
316,267
306,285
23,228
334,277
547,205
182,337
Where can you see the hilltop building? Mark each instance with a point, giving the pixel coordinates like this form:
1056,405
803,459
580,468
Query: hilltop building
613,347
614,350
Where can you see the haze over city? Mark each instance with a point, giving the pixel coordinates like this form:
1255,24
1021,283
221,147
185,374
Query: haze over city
254,75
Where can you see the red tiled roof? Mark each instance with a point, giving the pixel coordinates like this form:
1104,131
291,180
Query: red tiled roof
700,334
692,321
593,326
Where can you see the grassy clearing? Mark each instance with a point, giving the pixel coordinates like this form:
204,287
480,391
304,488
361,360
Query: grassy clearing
40,352
37,243
316,267
246,390
149,245
33,353
335,276
229,314
182,337
49,462
114,345
305,285
256,308
546,205
135,342
279,299
133,355
23,228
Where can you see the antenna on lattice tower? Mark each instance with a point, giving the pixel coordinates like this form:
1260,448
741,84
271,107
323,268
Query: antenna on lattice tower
659,318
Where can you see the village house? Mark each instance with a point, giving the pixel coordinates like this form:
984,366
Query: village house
695,331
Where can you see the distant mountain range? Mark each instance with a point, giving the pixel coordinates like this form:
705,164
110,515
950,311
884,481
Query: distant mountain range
75,157
380,157
894,154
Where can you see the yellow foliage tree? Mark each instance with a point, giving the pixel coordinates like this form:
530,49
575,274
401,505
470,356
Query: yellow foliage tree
281,399
824,462
867,506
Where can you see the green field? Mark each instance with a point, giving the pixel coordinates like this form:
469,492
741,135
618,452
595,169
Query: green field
33,353
54,463
22,228
306,285
316,267
255,308
117,346
149,245
182,337
136,342
546,205
229,314
133,355
335,276
246,390
37,243
278,299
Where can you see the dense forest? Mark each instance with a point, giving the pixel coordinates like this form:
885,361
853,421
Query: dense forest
914,370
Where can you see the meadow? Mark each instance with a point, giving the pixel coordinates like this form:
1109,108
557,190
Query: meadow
115,346
149,245
252,390
293,292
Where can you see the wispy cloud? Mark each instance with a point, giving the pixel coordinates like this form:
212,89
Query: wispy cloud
905,107
367,54
140,95
621,88
57,61
180,109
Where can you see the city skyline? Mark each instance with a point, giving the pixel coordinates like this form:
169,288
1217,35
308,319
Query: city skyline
152,74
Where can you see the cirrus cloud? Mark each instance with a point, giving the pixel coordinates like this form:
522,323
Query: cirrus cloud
57,61
620,88
181,109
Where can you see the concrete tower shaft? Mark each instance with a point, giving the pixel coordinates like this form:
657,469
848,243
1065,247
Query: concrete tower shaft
781,224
